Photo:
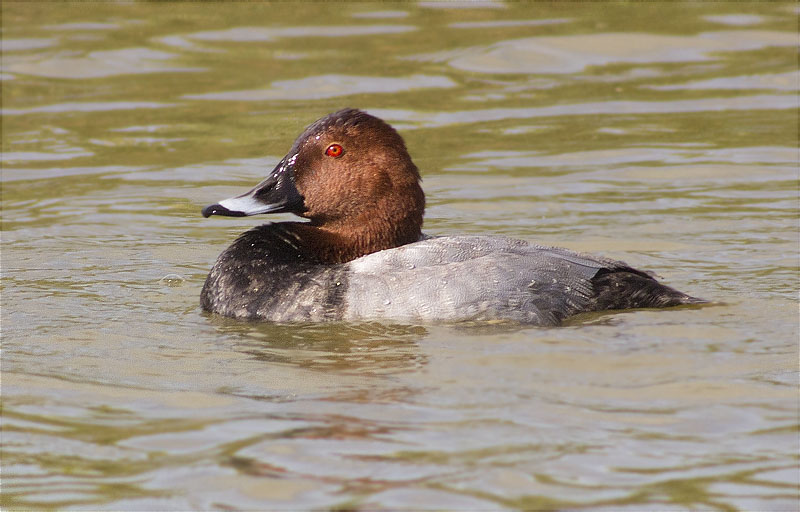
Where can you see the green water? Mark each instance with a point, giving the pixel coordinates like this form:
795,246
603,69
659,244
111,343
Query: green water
662,134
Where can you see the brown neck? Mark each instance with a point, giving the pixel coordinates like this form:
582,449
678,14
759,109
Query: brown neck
333,243
384,222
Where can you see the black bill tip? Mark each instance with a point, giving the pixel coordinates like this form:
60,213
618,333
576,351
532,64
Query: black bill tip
218,209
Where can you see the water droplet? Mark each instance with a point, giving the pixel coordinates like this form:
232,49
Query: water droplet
172,280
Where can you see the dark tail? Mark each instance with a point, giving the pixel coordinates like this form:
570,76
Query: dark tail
628,288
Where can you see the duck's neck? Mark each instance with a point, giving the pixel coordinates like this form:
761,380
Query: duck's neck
386,222
332,243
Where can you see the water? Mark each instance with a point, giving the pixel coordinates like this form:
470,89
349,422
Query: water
661,134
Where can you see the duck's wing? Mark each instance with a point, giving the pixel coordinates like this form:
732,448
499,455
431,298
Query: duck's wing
487,278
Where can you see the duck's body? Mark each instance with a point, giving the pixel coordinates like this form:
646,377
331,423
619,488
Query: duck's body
363,256
453,278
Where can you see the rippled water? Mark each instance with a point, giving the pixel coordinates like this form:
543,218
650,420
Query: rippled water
661,134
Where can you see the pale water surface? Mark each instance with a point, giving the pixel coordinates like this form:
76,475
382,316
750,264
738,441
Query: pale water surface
662,134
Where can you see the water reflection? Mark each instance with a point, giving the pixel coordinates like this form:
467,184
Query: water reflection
360,349
574,53
441,119
261,34
736,19
508,23
85,107
330,86
768,81
100,64
381,14
29,43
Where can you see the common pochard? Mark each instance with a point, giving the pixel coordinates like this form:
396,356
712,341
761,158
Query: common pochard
362,254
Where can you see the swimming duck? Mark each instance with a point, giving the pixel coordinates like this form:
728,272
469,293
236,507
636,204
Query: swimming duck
362,255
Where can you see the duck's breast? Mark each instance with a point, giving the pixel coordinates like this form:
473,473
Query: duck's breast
262,276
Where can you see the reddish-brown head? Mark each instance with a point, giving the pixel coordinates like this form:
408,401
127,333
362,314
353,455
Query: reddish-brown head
351,175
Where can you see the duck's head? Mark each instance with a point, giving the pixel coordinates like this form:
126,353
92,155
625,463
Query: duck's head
351,175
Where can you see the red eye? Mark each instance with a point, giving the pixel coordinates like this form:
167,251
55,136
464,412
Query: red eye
334,150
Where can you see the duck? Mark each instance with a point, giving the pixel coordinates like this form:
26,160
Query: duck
360,254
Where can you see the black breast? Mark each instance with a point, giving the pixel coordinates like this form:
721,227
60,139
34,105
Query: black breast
266,275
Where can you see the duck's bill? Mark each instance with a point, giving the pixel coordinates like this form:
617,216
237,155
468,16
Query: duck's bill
276,194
